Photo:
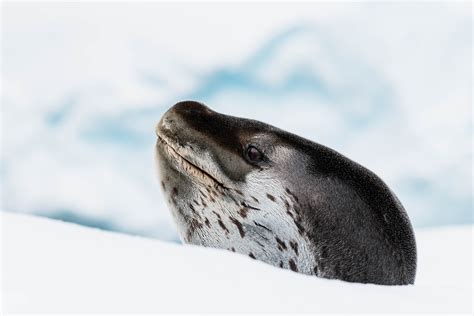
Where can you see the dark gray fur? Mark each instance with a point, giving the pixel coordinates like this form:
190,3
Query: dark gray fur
353,225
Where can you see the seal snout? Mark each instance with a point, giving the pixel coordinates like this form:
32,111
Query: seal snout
177,116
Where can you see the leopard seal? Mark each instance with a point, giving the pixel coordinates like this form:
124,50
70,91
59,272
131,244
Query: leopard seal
251,188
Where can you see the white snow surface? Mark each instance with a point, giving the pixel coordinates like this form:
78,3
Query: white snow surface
52,266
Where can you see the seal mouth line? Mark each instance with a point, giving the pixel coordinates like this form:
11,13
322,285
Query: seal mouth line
189,167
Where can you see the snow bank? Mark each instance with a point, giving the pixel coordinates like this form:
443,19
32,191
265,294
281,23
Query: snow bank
52,266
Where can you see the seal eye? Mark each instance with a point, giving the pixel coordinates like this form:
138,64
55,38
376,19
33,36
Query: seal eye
253,154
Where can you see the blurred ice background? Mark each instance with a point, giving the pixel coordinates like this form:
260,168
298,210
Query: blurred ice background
387,84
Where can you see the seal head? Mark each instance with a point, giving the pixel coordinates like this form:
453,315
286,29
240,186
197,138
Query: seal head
249,187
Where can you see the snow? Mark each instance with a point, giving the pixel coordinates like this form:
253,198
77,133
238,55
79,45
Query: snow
53,266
